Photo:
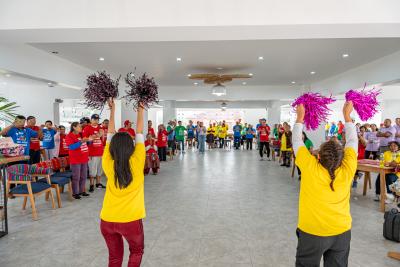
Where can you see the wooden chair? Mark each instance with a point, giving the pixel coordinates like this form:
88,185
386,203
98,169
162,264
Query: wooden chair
58,179
23,176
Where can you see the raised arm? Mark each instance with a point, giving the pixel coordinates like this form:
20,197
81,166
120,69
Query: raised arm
5,131
298,129
350,128
111,125
139,123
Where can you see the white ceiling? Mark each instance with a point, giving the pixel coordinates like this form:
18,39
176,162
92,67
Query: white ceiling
284,60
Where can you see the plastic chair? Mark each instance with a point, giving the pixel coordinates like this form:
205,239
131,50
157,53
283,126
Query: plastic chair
23,176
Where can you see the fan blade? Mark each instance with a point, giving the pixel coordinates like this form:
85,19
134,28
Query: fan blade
236,76
203,76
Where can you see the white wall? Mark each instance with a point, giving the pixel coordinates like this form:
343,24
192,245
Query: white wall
253,115
391,109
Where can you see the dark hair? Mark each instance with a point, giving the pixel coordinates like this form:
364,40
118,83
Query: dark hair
73,125
20,117
49,121
30,117
331,155
121,150
365,128
61,127
106,120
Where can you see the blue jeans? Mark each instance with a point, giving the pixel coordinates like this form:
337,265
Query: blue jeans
236,142
202,143
390,179
181,145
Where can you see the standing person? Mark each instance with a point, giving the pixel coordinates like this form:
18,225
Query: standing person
237,134
263,133
128,129
250,131
152,160
202,137
78,152
243,135
210,136
150,129
171,136
85,121
390,158
34,149
190,133
48,139
61,148
324,226
96,149
104,126
309,145
162,142
372,148
333,130
340,128
286,145
19,134
362,143
180,136
222,133
123,206
258,134
275,132
387,134
397,127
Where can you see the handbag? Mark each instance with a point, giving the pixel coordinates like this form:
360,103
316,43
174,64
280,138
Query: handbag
391,225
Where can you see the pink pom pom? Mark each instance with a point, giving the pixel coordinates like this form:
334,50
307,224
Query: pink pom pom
365,102
316,108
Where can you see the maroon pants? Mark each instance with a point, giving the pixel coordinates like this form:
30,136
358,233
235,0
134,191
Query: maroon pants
132,232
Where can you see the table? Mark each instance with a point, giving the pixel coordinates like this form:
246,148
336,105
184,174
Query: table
367,168
3,193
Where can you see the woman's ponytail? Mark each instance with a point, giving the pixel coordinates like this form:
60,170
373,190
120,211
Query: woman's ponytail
331,157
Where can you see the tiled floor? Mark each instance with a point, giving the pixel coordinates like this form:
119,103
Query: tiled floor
224,208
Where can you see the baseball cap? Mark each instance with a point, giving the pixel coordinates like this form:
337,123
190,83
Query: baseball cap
95,117
127,122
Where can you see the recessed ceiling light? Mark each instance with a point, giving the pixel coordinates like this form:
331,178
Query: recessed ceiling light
54,52
8,75
293,82
244,83
196,83
250,74
220,68
260,58
189,75
178,59
345,55
312,73
49,83
101,58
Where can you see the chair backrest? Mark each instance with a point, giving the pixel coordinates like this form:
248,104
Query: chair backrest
56,164
23,172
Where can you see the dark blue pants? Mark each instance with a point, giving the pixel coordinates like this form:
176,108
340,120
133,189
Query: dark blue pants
236,142
390,179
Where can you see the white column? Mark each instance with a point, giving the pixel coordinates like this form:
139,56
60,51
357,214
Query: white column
274,112
169,110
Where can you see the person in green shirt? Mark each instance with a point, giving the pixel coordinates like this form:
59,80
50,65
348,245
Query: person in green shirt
309,145
180,136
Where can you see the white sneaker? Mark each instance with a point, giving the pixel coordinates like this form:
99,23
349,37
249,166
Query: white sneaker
388,201
377,198
390,197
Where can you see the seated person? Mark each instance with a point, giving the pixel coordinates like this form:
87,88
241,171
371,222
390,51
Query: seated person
152,160
390,158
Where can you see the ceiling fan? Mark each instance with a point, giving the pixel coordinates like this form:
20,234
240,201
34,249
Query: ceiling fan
210,78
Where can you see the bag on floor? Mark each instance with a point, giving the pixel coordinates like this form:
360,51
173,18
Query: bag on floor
391,226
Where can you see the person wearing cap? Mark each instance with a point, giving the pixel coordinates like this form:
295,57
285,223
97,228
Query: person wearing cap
390,158
96,148
34,149
128,129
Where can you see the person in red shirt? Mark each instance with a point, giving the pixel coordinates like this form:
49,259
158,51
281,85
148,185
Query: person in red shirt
152,160
34,148
128,129
150,129
78,152
162,141
263,131
104,125
63,148
96,149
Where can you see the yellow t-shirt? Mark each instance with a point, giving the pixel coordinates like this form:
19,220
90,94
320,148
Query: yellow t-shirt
323,212
388,157
283,144
223,131
124,205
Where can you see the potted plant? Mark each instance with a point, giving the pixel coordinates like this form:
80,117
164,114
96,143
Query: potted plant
7,110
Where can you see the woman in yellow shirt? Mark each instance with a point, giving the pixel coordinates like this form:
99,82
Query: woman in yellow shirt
222,133
324,226
391,158
123,206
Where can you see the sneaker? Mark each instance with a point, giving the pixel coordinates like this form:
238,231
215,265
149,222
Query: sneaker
91,188
77,196
390,197
287,166
388,201
84,194
100,185
269,159
261,159
377,198
355,183
283,165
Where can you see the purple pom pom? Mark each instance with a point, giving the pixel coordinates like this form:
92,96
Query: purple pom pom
100,87
316,108
365,102
142,90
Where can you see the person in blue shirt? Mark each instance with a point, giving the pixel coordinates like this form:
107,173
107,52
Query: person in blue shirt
237,129
190,133
171,136
249,137
48,139
20,134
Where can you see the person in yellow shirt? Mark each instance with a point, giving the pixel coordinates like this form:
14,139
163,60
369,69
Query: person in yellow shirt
324,225
286,145
222,133
123,206
390,158
210,136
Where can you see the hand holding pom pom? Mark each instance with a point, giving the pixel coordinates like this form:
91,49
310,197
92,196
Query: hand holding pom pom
143,91
100,87
365,102
315,109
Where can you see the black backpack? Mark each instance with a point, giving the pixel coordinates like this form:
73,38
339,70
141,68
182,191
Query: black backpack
391,226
